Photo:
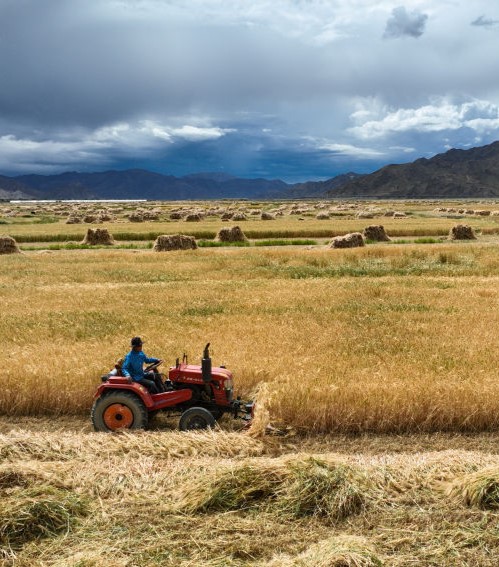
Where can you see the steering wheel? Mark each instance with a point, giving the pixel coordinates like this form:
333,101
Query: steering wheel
153,366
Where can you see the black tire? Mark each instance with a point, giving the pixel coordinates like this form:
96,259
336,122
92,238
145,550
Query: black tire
131,409
196,418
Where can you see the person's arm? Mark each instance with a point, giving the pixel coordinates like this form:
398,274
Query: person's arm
150,360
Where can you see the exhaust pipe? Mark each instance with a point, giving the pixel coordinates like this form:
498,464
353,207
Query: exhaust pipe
206,365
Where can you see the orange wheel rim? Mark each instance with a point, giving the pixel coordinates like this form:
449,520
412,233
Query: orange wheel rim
118,416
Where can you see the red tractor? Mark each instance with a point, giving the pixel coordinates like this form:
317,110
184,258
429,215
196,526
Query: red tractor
199,394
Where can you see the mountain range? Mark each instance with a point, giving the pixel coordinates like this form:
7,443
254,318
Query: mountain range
472,173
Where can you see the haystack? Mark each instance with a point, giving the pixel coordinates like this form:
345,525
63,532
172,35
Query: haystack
73,220
167,242
351,240
89,219
267,216
399,215
239,217
376,232
135,217
462,232
8,245
176,216
233,234
227,216
193,217
98,236
365,215
322,216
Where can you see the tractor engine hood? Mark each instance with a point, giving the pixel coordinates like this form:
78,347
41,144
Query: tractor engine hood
194,373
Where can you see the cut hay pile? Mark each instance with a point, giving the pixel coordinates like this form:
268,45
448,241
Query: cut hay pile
233,234
8,245
168,242
176,215
98,236
462,232
37,513
351,240
323,216
89,219
337,551
399,215
73,220
267,216
296,487
479,489
193,217
136,217
365,215
239,217
227,216
376,232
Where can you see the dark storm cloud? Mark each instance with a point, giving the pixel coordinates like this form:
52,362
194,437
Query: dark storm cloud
482,21
269,86
403,23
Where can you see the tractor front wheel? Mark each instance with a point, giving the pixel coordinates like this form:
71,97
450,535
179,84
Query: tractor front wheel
196,418
119,410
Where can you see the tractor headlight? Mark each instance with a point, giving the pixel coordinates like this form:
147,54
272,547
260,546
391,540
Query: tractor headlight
229,384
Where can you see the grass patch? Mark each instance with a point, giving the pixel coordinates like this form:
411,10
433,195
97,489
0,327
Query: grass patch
280,242
216,244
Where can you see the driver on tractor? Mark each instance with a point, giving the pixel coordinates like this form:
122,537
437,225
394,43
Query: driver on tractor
133,368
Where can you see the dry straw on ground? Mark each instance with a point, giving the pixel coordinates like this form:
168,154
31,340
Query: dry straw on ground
98,236
376,233
8,245
232,234
462,232
351,240
168,242
337,551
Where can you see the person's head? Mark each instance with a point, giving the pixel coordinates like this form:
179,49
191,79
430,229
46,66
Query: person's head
136,343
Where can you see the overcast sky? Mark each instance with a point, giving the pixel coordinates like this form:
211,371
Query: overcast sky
290,89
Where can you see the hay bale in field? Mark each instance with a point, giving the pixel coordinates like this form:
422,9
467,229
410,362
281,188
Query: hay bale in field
267,216
168,242
233,234
73,220
239,217
376,232
482,213
462,232
89,219
494,214
399,215
176,215
8,245
322,216
469,211
193,217
365,215
351,240
136,217
98,236
227,216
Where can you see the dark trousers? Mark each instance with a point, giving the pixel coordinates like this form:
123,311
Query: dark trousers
153,383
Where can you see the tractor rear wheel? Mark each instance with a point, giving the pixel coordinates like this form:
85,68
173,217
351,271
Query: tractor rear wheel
196,418
119,410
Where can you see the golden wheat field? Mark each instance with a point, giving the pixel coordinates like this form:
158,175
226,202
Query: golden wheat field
375,372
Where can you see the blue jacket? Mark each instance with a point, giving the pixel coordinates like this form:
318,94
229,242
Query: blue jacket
134,364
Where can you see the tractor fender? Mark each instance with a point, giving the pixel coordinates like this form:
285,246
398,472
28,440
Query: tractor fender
140,391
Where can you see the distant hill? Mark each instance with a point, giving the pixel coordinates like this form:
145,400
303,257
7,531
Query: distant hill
470,173
137,184
454,174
